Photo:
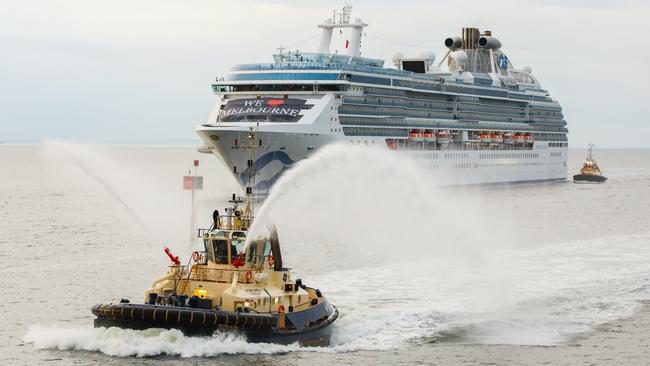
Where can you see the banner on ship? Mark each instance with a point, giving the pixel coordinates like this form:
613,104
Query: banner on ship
263,109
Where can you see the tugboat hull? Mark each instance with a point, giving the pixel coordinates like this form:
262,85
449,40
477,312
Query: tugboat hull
315,330
589,178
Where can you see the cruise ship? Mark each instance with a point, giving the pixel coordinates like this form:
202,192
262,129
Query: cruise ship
473,116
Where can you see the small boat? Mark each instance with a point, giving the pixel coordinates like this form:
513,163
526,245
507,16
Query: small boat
508,138
429,136
416,135
519,138
235,283
485,137
444,137
496,137
528,138
590,171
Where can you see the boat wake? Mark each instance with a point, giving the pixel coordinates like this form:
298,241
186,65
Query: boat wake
144,343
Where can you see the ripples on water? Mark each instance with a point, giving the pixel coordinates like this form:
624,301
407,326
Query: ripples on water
515,265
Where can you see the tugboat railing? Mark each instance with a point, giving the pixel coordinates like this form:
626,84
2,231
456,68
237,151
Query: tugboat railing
228,223
220,275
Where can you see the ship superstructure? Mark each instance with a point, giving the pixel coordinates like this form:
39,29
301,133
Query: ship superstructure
479,120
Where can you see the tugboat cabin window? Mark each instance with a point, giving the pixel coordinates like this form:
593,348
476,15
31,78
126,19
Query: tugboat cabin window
220,251
259,252
238,239
208,250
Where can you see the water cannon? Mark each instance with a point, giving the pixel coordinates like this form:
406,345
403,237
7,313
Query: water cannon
240,260
489,43
172,257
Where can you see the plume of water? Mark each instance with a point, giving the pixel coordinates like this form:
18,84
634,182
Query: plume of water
375,204
151,194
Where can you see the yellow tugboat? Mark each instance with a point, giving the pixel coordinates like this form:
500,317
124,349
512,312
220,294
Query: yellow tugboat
236,283
590,171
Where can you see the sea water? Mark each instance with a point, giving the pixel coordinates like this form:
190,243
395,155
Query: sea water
409,264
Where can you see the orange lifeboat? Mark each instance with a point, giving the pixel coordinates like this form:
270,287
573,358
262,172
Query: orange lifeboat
519,138
485,137
428,135
391,144
496,137
415,135
528,137
444,137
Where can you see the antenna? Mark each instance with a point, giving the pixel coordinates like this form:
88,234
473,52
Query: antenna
250,184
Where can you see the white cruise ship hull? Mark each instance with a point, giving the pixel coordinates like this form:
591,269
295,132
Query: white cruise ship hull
282,150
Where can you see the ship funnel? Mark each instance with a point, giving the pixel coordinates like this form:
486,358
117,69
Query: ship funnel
353,31
454,43
470,38
489,43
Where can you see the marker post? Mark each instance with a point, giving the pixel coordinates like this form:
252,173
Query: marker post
193,183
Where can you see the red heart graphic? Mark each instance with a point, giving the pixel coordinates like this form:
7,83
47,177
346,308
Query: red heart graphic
275,102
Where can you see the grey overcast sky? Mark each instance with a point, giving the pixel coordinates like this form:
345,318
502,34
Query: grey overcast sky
121,71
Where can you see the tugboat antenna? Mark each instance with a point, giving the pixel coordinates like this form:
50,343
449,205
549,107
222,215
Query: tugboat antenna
250,184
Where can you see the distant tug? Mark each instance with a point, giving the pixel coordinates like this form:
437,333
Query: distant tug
236,284
590,171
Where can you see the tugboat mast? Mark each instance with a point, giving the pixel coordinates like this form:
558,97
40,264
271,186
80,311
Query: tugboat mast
250,199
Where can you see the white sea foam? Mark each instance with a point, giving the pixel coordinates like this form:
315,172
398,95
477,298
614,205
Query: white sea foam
151,342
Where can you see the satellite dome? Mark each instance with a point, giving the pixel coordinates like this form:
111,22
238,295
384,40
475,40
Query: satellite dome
426,55
396,58
460,57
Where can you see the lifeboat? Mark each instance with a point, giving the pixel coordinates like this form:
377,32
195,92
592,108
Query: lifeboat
444,137
391,144
429,136
496,137
485,137
508,138
233,283
519,138
415,135
528,137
